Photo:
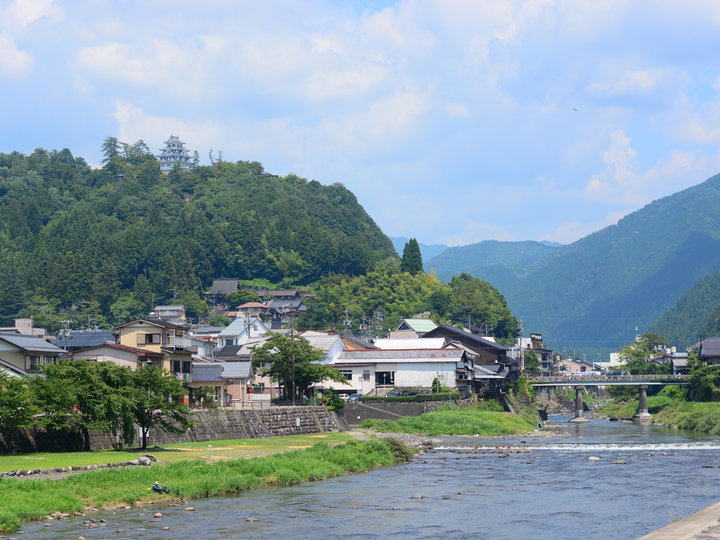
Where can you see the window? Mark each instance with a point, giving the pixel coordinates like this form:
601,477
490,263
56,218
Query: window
152,338
366,375
385,378
347,373
179,366
34,363
186,367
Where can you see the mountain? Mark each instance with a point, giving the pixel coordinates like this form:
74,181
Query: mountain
428,251
596,293
500,263
108,241
685,323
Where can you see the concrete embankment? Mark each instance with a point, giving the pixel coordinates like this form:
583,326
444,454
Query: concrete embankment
703,525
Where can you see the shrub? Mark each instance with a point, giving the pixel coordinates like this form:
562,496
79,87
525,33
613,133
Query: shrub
402,452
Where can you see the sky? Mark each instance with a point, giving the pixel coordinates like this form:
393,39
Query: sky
452,121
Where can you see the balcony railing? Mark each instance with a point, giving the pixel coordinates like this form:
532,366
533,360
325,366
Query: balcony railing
176,342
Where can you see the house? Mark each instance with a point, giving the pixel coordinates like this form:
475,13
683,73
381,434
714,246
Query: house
570,366
545,356
331,344
248,309
75,340
163,337
220,289
241,330
412,328
239,376
122,355
487,350
709,351
209,375
173,314
379,371
10,370
27,353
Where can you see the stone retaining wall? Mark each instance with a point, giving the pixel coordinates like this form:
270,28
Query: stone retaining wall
356,413
213,424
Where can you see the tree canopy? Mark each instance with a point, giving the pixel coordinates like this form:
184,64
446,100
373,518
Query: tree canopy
280,354
411,259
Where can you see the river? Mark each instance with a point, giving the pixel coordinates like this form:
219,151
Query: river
464,488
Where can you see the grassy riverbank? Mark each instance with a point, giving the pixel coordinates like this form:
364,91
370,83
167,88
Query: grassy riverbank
168,453
28,500
669,408
484,419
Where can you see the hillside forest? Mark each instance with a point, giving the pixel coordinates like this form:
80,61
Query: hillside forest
100,246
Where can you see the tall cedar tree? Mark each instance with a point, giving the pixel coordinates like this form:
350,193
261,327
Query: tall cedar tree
411,259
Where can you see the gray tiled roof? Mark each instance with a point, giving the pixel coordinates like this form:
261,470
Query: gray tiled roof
85,338
30,343
207,372
710,347
236,370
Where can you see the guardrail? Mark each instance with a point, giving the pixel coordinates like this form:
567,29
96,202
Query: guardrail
628,378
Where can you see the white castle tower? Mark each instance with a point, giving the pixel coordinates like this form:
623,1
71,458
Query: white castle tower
174,152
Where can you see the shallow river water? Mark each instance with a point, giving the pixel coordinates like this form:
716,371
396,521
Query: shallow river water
550,490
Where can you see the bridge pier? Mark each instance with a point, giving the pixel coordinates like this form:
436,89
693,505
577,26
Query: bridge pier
579,406
642,415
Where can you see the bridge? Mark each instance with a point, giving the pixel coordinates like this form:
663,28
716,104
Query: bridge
582,381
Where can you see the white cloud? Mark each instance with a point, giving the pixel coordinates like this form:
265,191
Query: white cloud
14,63
637,82
621,183
22,13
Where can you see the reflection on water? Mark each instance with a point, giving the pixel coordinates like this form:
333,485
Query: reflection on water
544,488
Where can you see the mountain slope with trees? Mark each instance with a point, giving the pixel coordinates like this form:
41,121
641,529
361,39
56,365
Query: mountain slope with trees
109,243
500,263
594,294
695,316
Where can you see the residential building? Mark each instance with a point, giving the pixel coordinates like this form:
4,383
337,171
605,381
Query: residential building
487,350
708,351
160,336
378,371
28,353
242,330
173,314
75,340
220,289
413,328
209,375
122,355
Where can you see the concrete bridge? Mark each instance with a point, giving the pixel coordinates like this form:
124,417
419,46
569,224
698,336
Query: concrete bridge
582,381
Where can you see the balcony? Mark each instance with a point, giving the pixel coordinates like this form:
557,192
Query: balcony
176,342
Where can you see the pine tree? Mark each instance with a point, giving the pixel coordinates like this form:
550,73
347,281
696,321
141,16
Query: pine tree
411,259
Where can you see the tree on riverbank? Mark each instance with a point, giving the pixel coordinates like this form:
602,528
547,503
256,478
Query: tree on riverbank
280,356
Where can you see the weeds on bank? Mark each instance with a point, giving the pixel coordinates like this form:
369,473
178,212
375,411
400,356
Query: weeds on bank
483,419
26,500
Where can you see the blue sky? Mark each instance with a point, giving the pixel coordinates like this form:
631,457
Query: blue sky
452,121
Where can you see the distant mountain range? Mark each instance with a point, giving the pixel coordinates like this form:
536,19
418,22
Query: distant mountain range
428,251
595,294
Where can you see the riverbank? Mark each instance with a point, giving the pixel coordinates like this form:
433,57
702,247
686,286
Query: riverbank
110,489
702,525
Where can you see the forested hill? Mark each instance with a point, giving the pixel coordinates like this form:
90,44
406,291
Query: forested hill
116,240
500,263
695,316
594,293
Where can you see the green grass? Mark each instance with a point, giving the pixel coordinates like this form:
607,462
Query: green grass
26,500
214,450
483,419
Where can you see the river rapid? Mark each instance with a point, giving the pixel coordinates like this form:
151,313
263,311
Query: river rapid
545,487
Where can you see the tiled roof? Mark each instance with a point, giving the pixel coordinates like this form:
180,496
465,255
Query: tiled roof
80,339
30,343
411,343
207,372
154,322
236,370
448,329
224,286
710,347
140,353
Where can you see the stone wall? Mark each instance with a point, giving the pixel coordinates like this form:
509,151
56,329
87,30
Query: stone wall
212,424
356,413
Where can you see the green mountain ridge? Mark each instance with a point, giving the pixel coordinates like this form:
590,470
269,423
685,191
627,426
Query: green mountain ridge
591,295
84,241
